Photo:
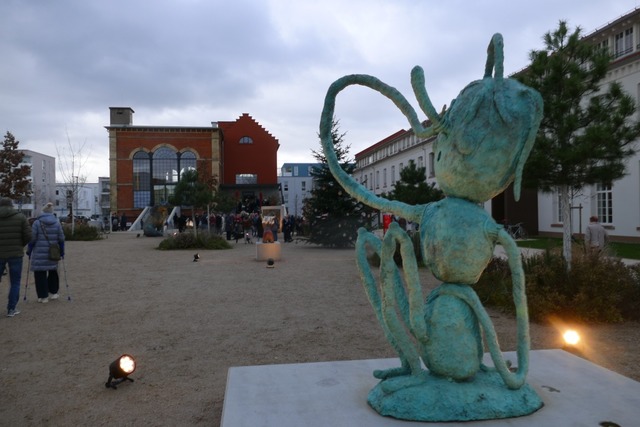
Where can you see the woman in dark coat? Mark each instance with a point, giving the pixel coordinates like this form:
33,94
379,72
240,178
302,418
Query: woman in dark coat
44,231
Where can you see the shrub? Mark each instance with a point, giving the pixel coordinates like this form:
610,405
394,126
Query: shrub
189,240
597,288
82,232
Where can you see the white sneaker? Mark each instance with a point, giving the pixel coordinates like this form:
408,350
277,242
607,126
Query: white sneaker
43,300
53,296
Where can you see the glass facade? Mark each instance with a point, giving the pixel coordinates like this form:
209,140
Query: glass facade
155,174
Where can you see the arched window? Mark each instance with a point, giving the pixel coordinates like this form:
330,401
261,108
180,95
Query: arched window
165,166
246,140
187,161
141,179
165,174
156,174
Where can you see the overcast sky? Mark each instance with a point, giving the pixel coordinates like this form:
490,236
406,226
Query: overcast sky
63,63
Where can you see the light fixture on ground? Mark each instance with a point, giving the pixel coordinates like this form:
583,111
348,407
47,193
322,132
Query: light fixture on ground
119,370
270,263
571,337
573,342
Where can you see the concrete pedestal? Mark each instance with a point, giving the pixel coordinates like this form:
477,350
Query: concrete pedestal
264,251
575,393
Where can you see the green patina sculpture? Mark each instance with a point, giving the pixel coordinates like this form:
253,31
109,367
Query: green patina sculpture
154,224
483,141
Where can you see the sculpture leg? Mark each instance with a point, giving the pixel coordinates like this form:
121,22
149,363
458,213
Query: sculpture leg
405,296
364,242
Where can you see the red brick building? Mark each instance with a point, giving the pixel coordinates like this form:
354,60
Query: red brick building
147,161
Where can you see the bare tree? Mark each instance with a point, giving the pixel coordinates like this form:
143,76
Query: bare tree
71,165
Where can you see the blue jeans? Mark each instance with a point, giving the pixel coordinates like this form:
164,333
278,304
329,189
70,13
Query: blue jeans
15,275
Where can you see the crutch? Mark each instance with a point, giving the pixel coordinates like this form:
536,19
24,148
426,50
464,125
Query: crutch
26,283
66,283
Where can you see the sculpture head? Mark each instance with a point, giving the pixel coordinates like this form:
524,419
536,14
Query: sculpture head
486,135
483,142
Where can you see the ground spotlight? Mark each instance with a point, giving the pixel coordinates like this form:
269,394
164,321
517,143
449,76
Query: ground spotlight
270,263
119,370
196,257
571,337
573,342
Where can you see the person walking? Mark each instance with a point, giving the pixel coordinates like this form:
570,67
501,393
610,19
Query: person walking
14,236
123,222
45,231
595,236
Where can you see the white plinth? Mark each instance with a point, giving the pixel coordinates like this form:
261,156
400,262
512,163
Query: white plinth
264,251
575,393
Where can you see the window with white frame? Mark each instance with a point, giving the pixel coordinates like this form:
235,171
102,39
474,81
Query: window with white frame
393,175
432,171
377,179
246,178
559,214
604,203
303,185
384,178
285,185
603,45
623,43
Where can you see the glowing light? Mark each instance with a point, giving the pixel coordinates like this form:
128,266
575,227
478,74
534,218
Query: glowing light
571,337
127,364
119,370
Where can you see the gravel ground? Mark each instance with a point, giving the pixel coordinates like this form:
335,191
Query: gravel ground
187,322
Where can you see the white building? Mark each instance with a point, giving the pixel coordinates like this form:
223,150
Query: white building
295,182
378,167
86,203
617,206
43,182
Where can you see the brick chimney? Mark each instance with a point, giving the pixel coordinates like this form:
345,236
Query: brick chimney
121,115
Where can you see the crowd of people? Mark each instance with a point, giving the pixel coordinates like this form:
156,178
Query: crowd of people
238,226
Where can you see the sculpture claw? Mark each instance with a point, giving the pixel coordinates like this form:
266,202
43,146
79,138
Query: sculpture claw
383,374
399,383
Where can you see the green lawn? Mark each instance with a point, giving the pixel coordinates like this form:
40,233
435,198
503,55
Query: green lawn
623,250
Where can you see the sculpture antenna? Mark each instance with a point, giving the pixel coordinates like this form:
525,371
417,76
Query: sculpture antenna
356,190
419,89
495,58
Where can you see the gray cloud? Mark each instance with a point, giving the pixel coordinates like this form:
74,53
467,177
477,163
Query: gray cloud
189,62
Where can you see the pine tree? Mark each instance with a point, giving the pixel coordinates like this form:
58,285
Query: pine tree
14,178
585,135
412,188
333,216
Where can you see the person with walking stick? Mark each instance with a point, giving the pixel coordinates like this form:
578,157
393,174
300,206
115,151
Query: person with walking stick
46,233
14,236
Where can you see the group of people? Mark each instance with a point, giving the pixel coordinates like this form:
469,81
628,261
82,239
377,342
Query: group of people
117,223
15,235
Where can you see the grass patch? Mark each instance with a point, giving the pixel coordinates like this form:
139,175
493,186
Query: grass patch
617,249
